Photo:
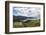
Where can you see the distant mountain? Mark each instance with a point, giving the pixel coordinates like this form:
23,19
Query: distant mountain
22,18
19,17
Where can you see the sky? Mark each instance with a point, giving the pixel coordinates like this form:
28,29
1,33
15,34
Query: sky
26,11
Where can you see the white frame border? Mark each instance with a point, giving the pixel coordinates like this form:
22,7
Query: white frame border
11,29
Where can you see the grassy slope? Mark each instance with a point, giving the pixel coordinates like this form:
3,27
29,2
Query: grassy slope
29,23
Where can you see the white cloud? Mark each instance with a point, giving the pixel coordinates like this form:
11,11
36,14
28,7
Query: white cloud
28,12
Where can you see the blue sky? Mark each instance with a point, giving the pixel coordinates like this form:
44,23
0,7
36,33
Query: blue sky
28,12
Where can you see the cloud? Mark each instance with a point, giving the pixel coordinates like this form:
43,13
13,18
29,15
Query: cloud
28,12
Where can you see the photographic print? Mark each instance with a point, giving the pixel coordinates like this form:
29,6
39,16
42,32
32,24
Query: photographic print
26,17
23,17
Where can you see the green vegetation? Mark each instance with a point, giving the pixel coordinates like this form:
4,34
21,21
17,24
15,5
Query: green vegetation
29,23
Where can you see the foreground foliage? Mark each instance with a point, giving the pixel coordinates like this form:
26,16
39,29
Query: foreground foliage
29,23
